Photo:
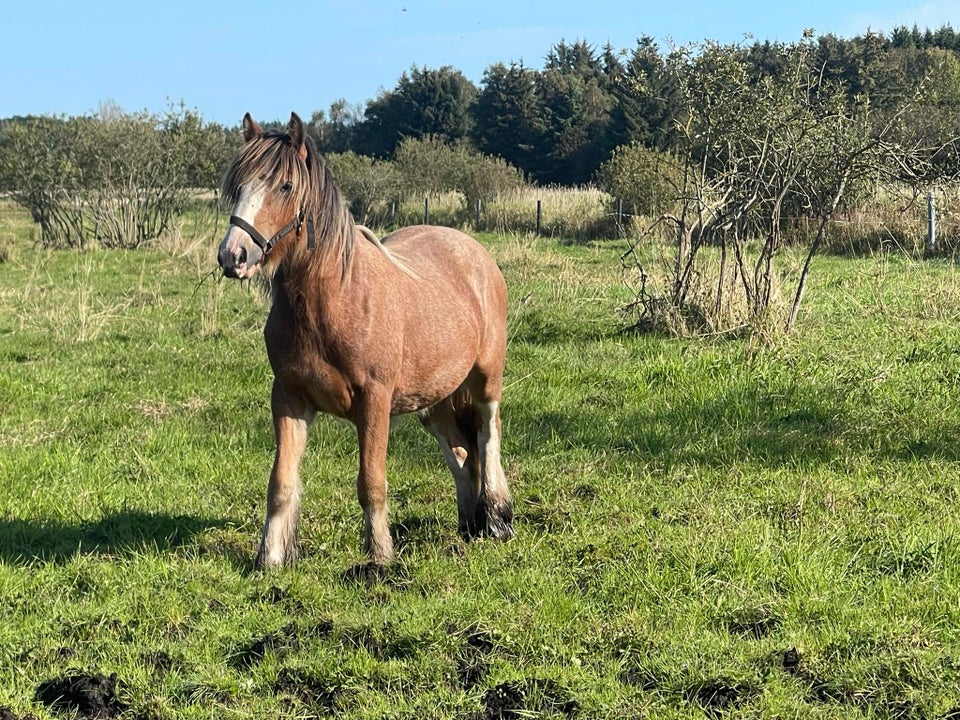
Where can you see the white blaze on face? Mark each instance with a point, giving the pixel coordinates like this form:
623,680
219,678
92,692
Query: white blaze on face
237,244
248,207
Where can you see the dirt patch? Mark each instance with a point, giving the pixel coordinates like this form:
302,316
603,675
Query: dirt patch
7,713
281,643
64,653
791,661
890,700
820,690
89,696
642,678
161,661
752,626
276,595
471,662
381,643
585,491
371,575
321,696
523,698
322,629
471,670
719,696
479,640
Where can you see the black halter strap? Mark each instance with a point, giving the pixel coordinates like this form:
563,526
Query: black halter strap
267,245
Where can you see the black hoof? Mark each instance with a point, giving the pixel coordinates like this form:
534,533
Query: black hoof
500,529
493,520
366,574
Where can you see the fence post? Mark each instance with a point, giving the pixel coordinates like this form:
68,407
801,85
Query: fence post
931,224
426,211
478,214
539,216
620,215
393,213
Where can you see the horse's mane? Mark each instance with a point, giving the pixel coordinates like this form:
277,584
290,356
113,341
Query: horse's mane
272,155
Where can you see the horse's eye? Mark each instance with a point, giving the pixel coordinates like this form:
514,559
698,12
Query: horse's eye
286,187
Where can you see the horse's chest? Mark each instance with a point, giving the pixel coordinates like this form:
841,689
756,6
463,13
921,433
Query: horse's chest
301,367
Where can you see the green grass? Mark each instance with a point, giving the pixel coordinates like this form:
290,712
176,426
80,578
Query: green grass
704,528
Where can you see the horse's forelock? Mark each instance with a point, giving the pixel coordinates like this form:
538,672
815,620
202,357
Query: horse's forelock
273,156
269,156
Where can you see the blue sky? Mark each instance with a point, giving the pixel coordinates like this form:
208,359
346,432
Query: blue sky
269,58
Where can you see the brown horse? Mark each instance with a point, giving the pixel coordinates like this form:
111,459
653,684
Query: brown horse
366,330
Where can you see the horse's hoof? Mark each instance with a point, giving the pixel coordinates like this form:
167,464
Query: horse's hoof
500,530
498,520
274,561
367,574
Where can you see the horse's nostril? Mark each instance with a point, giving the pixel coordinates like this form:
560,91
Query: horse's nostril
241,256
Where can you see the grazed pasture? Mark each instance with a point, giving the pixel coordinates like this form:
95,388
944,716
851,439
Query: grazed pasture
705,528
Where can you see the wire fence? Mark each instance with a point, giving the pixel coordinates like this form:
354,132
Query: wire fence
930,224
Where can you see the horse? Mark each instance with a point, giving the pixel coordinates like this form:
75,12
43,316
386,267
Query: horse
365,330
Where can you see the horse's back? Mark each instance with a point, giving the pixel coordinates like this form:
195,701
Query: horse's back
427,248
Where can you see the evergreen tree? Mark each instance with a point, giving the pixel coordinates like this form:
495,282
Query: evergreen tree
506,119
646,99
425,102
576,106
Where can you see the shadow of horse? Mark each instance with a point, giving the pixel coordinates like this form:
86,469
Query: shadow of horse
121,533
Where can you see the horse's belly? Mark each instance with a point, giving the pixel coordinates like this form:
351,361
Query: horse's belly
428,378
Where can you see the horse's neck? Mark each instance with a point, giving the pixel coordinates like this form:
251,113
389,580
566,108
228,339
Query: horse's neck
304,281
326,308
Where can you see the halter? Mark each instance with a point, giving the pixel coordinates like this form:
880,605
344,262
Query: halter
267,245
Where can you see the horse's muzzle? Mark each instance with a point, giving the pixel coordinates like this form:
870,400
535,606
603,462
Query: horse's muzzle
229,262
235,259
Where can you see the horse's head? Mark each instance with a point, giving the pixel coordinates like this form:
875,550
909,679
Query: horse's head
268,184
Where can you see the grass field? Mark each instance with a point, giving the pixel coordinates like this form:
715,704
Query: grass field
719,529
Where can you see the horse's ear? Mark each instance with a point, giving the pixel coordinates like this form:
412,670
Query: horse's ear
250,128
297,134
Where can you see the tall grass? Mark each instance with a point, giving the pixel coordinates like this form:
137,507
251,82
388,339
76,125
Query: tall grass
571,214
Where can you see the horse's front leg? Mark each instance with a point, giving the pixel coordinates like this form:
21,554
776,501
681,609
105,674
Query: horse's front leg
291,420
372,419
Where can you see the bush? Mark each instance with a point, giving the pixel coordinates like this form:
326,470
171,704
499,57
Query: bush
431,166
646,180
117,181
485,178
367,183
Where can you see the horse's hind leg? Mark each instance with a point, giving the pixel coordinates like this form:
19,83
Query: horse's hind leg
469,436
291,420
495,506
461,455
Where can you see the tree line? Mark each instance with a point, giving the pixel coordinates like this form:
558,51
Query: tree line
558,124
